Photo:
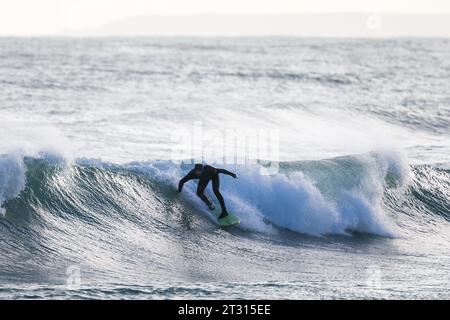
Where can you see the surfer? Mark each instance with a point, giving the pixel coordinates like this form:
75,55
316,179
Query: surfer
206,173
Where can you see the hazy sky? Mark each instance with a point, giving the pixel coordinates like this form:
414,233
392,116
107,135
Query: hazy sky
47,17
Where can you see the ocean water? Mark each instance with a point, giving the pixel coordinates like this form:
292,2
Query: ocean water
356,205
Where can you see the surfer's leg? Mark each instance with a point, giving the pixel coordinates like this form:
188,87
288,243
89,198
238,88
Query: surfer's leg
216,185
201,193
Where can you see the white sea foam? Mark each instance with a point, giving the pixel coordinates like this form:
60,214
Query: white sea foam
348,198
12,178
26,139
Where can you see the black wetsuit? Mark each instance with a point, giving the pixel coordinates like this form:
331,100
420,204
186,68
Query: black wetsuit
208,174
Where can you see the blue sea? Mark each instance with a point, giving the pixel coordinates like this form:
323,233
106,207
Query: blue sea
95,134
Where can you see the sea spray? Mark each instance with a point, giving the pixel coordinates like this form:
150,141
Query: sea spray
12,178
335,196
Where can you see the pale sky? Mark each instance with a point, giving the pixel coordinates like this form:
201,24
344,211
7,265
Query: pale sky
50,17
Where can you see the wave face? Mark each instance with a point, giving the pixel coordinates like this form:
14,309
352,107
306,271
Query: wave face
117,218
336,196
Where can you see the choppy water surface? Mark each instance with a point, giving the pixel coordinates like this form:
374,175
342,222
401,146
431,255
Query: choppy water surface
358,207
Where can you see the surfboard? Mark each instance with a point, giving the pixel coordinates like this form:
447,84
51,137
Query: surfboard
228,221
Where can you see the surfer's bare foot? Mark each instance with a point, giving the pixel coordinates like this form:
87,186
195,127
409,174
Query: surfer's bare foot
211,206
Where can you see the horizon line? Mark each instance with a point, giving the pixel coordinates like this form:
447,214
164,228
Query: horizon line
340,30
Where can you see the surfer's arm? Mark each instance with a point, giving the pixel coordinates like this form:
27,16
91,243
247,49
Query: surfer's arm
189,176
229,173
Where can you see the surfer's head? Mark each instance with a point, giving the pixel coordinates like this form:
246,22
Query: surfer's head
198,169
